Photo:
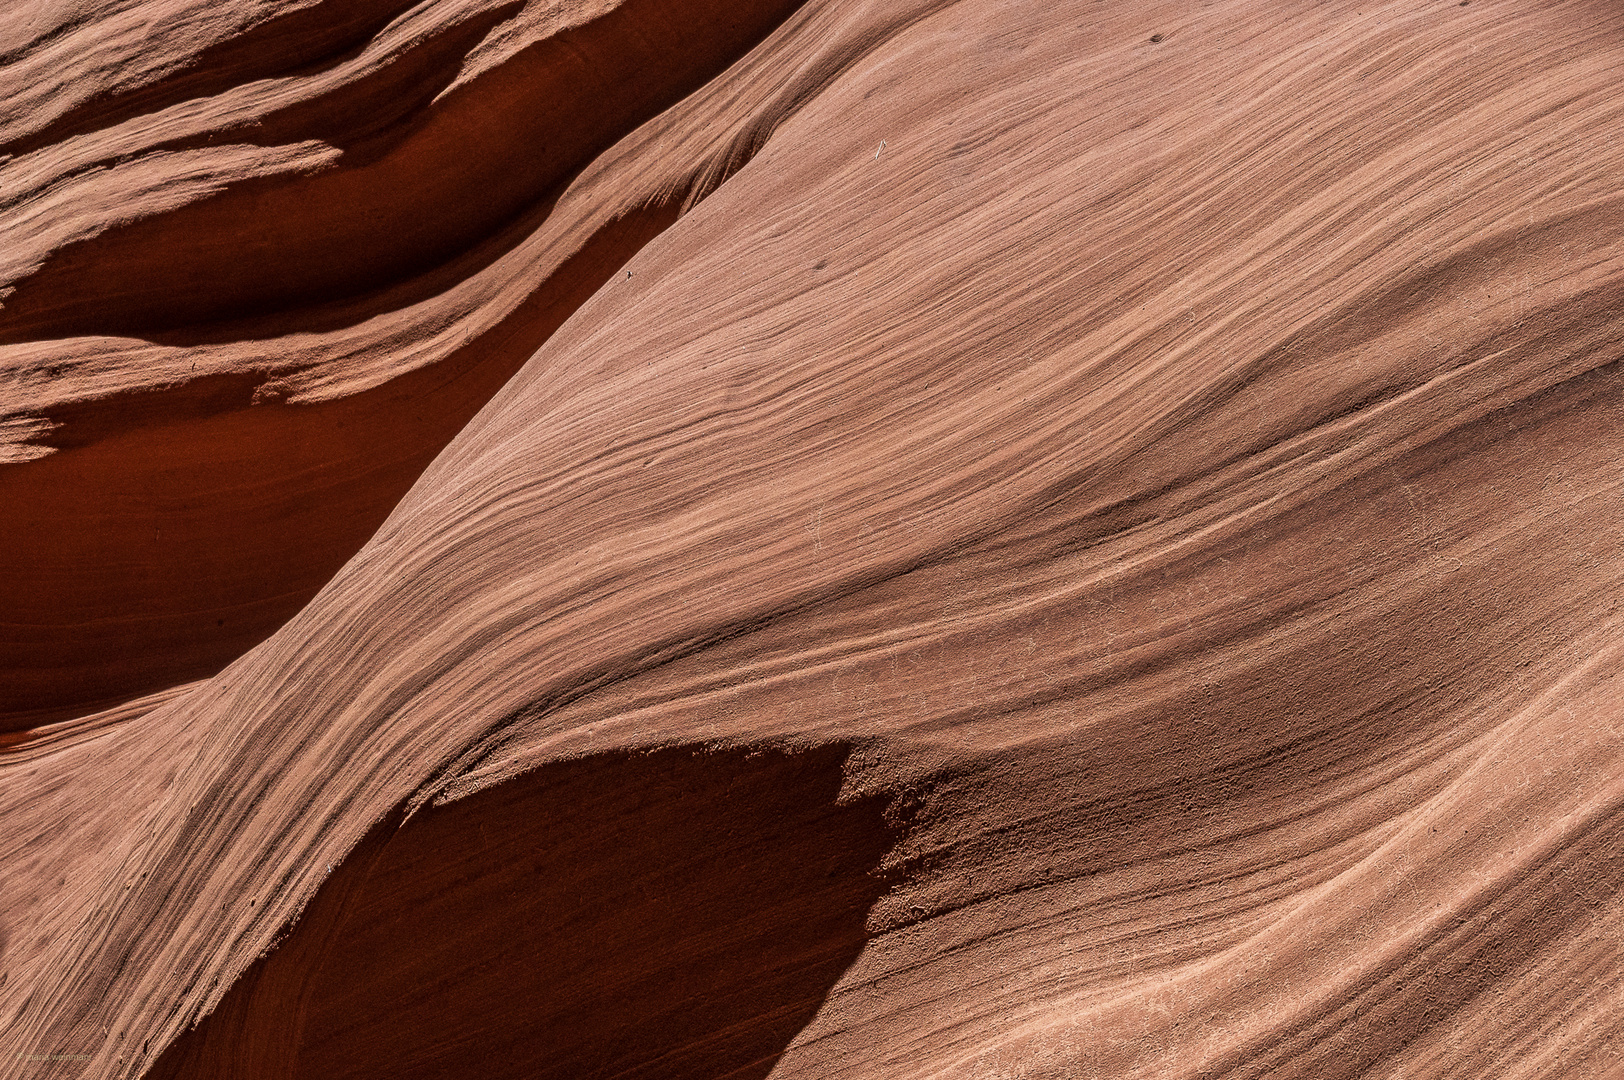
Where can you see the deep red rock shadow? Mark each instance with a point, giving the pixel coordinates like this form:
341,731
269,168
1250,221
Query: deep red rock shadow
675,914
206,506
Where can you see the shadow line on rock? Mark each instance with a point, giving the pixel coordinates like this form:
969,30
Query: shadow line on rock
675,914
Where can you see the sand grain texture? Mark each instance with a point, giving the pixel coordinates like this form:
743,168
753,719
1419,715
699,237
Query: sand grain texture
857,539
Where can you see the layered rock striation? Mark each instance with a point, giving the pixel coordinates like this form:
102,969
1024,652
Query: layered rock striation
852,539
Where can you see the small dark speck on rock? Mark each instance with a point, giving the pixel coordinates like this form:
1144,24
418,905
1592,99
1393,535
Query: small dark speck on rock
1155,39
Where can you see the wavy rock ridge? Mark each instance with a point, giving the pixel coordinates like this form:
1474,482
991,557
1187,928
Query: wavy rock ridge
333,260
1038,539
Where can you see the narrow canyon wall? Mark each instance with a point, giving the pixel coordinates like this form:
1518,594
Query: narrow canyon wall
842,540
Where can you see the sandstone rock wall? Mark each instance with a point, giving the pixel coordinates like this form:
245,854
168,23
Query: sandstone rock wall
1023,539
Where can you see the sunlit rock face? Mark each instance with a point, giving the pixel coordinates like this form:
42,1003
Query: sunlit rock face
907,539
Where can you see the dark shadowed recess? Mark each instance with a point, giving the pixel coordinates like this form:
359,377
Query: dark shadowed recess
677,914
175,532
411,190
176,529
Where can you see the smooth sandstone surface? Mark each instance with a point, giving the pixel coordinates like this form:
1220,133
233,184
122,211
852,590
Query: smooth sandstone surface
860,539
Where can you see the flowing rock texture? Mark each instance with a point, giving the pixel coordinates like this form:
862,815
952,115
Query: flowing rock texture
855,538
